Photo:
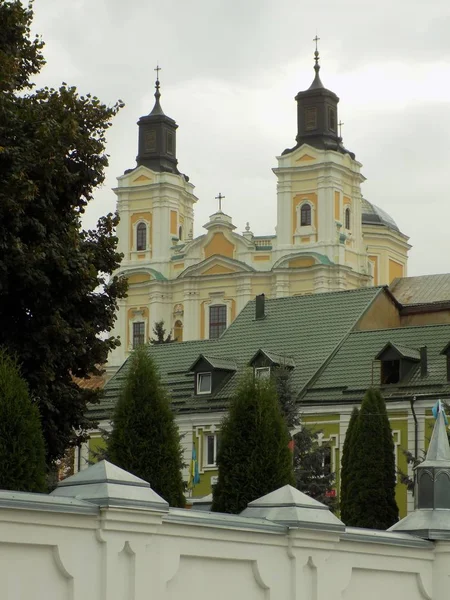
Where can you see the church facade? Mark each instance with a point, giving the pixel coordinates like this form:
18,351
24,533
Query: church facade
327,238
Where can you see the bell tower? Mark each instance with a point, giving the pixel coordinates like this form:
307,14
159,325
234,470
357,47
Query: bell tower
157,138
319,193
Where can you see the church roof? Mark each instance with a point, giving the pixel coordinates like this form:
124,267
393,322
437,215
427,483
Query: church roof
374,215
354,368
307,329
424,289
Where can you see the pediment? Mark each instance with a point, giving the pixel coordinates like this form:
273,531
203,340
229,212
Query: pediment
216,265
305,158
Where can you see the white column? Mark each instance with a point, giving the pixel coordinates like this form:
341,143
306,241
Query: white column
191,322
243,293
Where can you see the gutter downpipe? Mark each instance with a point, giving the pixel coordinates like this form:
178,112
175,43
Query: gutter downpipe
416,426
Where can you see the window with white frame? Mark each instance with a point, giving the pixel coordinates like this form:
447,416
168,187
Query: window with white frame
211,448
141,236
204,381
347,219
217,320
138,333
262,372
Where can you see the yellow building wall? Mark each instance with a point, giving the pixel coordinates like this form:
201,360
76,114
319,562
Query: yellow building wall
395,270
138,278
173,222
298,263
337,206
219,244
218,270
374,260
382,314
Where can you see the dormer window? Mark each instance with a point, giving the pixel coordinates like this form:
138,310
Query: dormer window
265,362
204,383
397,362
262,372
210,373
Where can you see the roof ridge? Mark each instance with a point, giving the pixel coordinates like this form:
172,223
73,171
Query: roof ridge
409,327
315,294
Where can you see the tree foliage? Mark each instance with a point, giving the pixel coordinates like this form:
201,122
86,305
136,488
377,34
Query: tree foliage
161,336
22,450
254,458
369,496
56,294
313,474
145,439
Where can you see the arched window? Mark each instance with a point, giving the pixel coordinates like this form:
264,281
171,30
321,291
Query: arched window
180,233
178,331
141,237
305,215
347,218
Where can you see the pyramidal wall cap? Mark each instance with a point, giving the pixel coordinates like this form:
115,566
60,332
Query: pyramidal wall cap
439,449
107,485
291,507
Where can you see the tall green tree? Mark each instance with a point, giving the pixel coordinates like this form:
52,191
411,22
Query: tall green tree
145,439
22,450
346,465
254,458
57,299
371,469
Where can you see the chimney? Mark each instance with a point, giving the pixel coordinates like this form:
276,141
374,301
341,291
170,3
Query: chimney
260,311
423,361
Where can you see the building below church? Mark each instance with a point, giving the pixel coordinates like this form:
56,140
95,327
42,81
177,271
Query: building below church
327,238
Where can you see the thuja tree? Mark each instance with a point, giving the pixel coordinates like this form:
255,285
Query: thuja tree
370,493
311,459
56,291
144,438
254,458
22,451
346,464
161,335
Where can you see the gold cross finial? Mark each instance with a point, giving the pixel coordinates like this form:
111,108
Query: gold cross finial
158,69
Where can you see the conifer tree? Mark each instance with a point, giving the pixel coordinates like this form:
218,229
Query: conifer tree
145,439
254,458
346,464
22,450
371,469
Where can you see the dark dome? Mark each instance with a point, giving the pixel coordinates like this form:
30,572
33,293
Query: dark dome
373,215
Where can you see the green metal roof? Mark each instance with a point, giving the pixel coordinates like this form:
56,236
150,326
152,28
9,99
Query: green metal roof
403,351
354,367
306,328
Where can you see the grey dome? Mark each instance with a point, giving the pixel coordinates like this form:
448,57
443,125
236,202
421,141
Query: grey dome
373,215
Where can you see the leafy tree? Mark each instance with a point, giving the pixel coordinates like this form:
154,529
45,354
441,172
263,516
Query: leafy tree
346,464
160,333
56,296
22,450
144,439
371,469
313,475
254,458
312,469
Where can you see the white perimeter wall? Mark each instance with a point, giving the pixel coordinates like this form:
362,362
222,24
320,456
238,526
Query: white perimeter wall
137,554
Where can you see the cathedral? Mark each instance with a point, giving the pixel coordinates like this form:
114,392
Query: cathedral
327,236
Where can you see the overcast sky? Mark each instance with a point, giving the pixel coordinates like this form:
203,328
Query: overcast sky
230,71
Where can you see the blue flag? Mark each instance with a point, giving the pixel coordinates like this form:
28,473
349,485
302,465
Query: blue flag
437,408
